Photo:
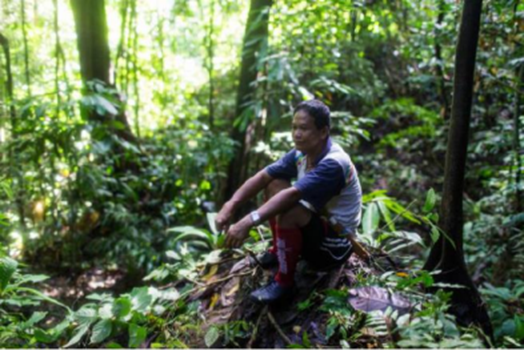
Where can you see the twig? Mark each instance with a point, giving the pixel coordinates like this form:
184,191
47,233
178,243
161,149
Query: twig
260,234
254,335
278,329
228,277
200,284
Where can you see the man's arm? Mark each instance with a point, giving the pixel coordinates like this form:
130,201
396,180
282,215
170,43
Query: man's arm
248,190
279,203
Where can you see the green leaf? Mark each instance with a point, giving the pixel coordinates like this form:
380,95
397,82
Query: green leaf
42,296
137,335
78,335
221,239
435,234
172,255
32,279
400,210
371,219
386,215
113,345
211,222
101,330
86,316
34,319
42,336
519,328
103,106
430,201
121,307
140,299
7,269
305,340
212,336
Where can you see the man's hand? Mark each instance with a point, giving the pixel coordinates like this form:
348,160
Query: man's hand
224,217
237,233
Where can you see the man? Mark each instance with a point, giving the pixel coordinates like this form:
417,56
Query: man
311,218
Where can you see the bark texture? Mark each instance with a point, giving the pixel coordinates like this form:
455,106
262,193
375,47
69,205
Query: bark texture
255,40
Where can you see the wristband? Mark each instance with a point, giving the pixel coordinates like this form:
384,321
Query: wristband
255,217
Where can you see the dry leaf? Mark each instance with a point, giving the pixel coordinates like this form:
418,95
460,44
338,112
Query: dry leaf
212,271
377,298
213,301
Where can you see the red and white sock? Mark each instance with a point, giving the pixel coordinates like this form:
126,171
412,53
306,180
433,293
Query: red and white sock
273,227
289,247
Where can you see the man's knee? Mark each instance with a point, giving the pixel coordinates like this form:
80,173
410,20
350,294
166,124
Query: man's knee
276,186
297,216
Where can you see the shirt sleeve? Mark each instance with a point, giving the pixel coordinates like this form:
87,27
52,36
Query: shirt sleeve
321,184
284,168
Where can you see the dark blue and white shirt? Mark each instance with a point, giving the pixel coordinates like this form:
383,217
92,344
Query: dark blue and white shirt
331,186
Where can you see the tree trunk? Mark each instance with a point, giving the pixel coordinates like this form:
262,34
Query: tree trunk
16,174
519,89
439,68
448,255
93,48
26,49
255,41
516,136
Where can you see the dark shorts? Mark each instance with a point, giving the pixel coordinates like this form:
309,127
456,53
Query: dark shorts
323,248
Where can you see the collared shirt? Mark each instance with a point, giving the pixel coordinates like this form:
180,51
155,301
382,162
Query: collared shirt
332,184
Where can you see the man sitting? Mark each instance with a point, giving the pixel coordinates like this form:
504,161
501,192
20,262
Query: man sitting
312,218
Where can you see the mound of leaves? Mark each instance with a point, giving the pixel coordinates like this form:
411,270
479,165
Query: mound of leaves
321,312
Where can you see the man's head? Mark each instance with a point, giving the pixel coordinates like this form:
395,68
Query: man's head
311,123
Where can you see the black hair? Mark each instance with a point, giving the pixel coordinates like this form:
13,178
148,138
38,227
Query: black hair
316,109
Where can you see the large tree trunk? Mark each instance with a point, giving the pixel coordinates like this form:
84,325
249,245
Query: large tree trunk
93,48
255,40
448,255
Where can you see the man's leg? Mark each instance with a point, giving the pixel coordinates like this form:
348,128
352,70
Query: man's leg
289,242
271,190
289,247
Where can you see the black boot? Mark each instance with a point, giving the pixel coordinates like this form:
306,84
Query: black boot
270,293
267,260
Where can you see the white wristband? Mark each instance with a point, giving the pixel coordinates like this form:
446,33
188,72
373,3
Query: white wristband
255,217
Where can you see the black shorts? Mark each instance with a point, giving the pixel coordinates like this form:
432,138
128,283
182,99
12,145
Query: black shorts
322,247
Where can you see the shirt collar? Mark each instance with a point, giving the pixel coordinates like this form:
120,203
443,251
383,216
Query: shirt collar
325,151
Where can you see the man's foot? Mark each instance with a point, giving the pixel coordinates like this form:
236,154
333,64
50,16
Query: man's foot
267,260
271,293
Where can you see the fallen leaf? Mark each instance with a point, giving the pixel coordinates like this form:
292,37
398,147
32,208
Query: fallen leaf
213,301
240,265
212,271
373,298
233,290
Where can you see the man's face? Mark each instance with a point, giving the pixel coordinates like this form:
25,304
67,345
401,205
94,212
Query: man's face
305,133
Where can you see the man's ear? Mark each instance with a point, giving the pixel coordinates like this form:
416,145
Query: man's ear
324,132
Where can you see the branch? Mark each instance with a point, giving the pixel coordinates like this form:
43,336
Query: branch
278,329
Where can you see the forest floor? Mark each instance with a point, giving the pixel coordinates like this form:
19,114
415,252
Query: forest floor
224,290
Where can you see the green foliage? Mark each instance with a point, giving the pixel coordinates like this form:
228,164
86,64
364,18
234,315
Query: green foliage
18,326
133,315
504,303
230,333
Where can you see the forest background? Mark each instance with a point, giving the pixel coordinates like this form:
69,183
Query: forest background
125,124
